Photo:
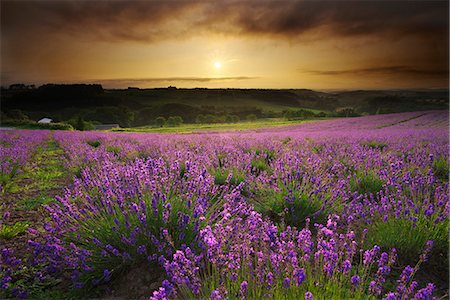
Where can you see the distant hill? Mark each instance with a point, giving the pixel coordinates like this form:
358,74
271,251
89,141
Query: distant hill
135,107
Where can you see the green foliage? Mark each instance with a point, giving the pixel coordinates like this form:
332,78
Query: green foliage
409,238
121,115
374,145
337,287
6,179
34,203
366,183
292,207
103,222
300,114
346,112
17,114
9,231
251,117
441,168
55,126
259,165
113,149
221,176
286,140
211,119
232,118
174,121
160,121
317,149
26,124
79,124
94,143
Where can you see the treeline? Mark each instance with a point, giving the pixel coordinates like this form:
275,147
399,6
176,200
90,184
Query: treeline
304,114
141,107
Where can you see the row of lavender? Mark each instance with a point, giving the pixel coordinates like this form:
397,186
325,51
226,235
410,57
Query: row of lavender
16,149
228,215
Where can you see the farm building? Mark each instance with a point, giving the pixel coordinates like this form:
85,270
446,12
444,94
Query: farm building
45,120
106,126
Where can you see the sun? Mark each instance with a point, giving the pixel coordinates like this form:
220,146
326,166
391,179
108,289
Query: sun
217,65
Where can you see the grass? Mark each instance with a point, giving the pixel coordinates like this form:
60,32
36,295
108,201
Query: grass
43,174
410,240
366,183
375,145
34,203
259,165
441,168
94,143
7,179
221,176
50,167
190,128
114,149
290,207
9,231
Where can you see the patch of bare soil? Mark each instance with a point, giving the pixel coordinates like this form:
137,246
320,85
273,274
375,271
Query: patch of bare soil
138,283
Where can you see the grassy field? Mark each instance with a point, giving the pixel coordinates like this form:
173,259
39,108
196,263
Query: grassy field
238,126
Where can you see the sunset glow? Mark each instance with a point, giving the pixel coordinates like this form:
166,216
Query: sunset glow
292,44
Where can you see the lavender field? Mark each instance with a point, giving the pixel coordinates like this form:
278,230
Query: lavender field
351,208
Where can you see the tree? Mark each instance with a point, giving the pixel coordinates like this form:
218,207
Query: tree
200,119
160,121
210,119
17,114
251,117
235,118
79,124
174,121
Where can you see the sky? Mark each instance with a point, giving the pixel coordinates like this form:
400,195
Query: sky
227,44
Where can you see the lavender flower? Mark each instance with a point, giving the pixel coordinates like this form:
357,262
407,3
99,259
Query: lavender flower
286,283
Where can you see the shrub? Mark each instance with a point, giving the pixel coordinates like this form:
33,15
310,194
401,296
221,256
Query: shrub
441,168
174,121
259,165
366,183
114,149
26,124
112,225
375,145
222,176
9,231
94,143
251,117
290,264
290,206
409,237
160,121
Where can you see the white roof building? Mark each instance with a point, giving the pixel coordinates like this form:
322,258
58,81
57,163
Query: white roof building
45,120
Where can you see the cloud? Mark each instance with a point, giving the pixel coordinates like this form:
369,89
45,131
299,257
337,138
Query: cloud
140,81
386,70
152,21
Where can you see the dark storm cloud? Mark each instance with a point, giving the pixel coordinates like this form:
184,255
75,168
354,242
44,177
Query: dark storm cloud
388,70
150,21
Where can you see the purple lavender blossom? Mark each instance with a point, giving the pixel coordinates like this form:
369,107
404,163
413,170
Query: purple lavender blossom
244,287
286,283
355,280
